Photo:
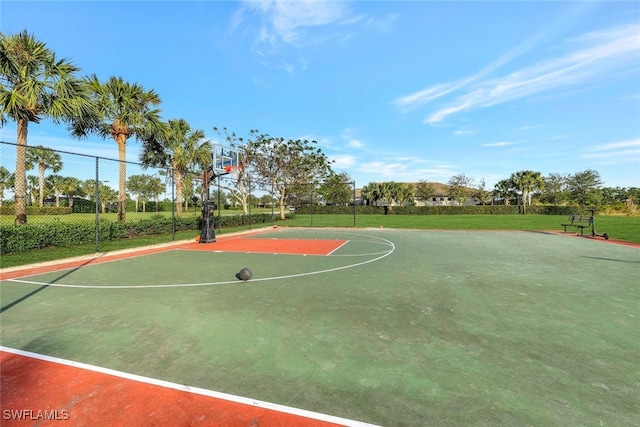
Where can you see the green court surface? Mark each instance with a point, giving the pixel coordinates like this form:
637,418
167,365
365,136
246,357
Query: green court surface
393,327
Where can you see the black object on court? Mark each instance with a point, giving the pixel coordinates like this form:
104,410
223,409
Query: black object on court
245,274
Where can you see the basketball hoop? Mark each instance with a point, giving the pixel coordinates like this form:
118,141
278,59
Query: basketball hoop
234,171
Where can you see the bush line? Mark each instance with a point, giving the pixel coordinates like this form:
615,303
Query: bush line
37,236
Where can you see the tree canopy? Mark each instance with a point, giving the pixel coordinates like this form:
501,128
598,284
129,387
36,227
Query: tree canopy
120,110
34,84
180,148
286,163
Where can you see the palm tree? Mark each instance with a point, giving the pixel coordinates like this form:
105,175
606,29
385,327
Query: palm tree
72,187
390,193
55,183
105,193
371,193
32,187
135,185
121,111
156,187
503,189
181,148
6,180
45,159
34,84
527,182
407,195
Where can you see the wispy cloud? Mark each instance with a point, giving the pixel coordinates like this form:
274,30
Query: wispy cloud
354,143
279,27
284,23
497,144
628,150
408,168
342,161
587,60
415,100
350,140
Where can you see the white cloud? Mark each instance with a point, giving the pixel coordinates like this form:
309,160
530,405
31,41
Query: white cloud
342,161
354,143
622,151
288,22
589,59
497,144
620,144
427,95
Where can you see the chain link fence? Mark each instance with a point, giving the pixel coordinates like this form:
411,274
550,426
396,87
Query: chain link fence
72,198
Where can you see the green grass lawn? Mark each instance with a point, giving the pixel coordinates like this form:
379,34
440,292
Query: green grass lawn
626,228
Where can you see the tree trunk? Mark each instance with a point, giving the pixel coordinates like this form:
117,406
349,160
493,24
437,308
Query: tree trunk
41,170
21,174
178,180
282,192
244,202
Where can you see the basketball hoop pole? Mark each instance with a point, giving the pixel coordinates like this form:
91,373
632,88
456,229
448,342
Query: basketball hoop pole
208,234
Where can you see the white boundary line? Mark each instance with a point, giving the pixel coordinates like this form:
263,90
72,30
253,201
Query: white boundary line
182,285
344,243
195,390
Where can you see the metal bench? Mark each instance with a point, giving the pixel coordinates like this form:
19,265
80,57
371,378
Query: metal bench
579,221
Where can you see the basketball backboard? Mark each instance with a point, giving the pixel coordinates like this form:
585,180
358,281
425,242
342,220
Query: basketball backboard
224,157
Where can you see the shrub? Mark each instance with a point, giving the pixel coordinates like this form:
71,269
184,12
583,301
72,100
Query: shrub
37,210
37,236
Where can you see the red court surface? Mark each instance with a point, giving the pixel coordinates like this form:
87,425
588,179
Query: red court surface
53,392
230,244
277,246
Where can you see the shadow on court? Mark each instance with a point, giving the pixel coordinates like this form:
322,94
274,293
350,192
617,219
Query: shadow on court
43,287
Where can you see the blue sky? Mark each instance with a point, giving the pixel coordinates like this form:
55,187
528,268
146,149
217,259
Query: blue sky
391,90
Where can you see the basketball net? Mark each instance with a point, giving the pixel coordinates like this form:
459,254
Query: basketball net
234,171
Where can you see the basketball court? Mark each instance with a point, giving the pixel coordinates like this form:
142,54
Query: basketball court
335,327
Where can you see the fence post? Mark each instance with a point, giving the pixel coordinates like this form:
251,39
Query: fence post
354,203
97,205
273,220
173,208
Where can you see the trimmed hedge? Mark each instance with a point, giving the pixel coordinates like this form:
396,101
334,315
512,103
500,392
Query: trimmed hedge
37,236
10,210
